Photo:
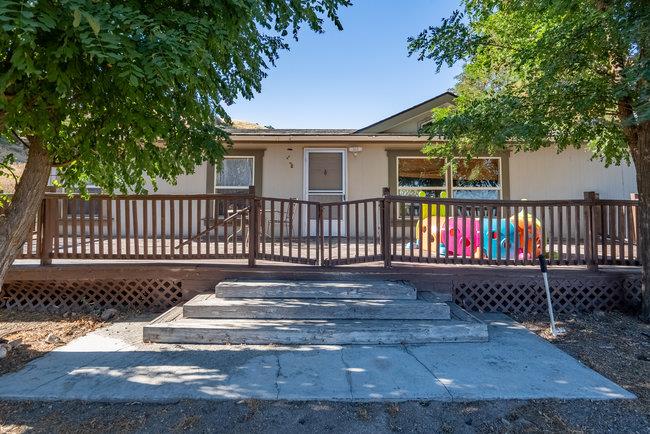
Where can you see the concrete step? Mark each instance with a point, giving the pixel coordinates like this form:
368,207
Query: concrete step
311,289
172,327
210,306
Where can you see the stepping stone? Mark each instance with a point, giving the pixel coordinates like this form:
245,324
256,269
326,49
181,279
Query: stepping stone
173,328
310,289
210,306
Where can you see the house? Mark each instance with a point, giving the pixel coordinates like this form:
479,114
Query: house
332,165
338,166
340,219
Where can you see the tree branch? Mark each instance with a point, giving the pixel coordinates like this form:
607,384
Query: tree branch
20,139
66,162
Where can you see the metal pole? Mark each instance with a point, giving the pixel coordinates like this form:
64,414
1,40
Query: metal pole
544,268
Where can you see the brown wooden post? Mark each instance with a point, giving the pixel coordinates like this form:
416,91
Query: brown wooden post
321,236
252,226
48,222
385,227
635,210
591,250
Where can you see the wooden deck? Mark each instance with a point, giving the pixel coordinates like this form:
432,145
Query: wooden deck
156,251
308,250
164,283
568,232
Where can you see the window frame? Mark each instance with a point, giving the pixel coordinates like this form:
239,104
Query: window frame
449,172
499,188
233,157
407,157
258,171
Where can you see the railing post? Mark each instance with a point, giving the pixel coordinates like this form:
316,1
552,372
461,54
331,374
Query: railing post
385,227
48,221
321,235
591,250
634,237
253,221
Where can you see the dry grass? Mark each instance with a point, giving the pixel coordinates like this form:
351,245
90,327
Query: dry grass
614,344
7,183
246,125
363,413
29,330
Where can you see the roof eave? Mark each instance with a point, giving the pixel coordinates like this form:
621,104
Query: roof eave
416,109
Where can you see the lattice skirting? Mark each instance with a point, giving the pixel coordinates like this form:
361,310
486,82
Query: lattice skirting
143,294
528,295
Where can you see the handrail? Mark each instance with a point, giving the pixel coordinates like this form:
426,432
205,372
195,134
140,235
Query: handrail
585,230
214,226
201,196
488,202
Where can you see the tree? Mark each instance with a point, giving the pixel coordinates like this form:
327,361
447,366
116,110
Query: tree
114,92
540,73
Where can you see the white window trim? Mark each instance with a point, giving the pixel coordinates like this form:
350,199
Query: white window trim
231,157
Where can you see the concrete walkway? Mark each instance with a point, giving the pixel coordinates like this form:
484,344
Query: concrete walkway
112,364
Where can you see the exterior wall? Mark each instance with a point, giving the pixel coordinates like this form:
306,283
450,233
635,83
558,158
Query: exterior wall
185,184
547,175
284,164
538,175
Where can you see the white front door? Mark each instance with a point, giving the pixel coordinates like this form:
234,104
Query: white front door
325,180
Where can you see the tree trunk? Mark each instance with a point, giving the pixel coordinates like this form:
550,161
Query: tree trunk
17,220
641,155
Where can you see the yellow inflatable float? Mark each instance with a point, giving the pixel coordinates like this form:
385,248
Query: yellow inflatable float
427,236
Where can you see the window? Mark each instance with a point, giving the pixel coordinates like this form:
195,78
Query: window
235,176
416,174
420,174
479,178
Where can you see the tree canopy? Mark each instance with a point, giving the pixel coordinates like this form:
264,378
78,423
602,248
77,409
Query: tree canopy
543,72
120,91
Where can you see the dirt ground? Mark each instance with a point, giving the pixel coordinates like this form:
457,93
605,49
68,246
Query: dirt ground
614,344
25,334
7,183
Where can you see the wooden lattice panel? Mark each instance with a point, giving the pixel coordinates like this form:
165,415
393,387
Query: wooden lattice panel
632,292
528,295
147,294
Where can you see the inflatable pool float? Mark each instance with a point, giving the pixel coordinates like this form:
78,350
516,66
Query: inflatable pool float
458,237
525,225
426,225
495,241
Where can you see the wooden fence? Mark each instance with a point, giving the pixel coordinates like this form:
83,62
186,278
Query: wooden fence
588,231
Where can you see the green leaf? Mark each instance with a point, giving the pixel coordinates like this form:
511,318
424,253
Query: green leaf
92,22
128,76
77,18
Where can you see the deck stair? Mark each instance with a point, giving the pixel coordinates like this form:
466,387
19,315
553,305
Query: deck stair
299,312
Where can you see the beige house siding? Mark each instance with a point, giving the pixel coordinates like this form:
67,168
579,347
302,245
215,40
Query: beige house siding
284,167
185,184
538,175
547,175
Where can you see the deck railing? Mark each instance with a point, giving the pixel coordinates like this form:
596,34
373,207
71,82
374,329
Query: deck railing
587,231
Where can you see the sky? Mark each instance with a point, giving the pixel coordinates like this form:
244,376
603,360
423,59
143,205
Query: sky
355,77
